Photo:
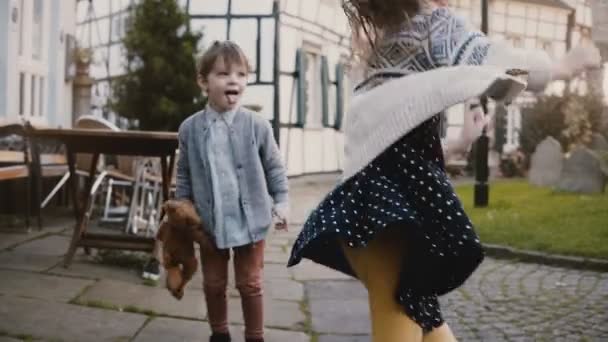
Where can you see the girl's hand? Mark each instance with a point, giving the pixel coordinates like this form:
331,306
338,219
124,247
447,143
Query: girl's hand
474,122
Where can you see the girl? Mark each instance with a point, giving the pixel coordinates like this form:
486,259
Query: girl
395,222
230,167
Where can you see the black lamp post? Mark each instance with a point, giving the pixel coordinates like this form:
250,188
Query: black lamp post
481,195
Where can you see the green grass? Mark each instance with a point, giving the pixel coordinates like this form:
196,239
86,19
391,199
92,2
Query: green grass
23,337
150,282
533,218
98,304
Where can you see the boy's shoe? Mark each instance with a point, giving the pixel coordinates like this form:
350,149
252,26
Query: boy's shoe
151,270
220,338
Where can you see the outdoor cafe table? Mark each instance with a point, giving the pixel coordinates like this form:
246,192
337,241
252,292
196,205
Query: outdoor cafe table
133,143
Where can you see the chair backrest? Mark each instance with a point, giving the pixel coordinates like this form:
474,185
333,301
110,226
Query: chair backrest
13,145
83,161
94,122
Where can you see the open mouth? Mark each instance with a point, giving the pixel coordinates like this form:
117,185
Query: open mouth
232,96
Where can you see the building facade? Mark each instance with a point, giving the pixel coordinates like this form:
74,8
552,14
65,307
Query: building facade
552,25
288,72
299,49
35,69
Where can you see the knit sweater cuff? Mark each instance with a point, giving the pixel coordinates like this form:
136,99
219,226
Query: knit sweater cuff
536,62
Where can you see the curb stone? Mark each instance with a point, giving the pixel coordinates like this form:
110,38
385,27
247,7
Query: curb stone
566,261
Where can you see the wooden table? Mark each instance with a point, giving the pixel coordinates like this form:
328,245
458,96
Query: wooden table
96,142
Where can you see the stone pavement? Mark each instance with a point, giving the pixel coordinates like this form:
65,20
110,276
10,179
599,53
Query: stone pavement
93,301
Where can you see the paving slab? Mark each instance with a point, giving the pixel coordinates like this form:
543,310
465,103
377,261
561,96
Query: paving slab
284,289
308,270
290,234
56,245
277,271
277,313
336,289
272,271
174,330
27,261
145,298
273,249
344,338
94,270
66,322
276,258
11,239
558,304
340,316
280,289
35,285
281,242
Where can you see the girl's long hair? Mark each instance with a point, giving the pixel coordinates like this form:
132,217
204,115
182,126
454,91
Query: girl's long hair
371,20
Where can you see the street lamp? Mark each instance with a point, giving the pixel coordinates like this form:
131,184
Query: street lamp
481,194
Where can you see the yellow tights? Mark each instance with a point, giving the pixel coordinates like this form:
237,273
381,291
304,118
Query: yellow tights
377,266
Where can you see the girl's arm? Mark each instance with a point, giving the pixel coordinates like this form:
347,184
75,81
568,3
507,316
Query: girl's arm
474,122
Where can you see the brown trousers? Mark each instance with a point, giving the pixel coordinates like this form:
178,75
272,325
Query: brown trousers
248,265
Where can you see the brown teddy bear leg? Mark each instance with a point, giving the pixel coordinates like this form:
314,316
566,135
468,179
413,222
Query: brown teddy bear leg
174,282
188,269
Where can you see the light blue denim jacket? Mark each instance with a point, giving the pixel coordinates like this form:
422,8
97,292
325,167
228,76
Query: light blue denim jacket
262,178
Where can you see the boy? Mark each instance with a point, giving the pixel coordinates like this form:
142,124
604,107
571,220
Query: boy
229,165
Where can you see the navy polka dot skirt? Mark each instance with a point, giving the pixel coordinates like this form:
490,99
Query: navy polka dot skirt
406,188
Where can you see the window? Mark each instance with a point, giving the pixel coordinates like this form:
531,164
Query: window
513,125
32,62
37,23
21,20
546,45
313,85
33,96
516,41
41,97
116,27
21,93
120,26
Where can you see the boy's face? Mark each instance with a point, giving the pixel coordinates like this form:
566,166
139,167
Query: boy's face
224,85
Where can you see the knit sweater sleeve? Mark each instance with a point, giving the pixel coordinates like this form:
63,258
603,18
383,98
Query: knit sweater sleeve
455,42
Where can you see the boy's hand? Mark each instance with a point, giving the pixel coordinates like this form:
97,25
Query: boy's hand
280,212
281,225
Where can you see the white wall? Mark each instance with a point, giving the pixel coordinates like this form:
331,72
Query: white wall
316,23
524,24
65,24
320,28
33,50
7,29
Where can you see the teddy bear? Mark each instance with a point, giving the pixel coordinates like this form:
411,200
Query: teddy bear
177,234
